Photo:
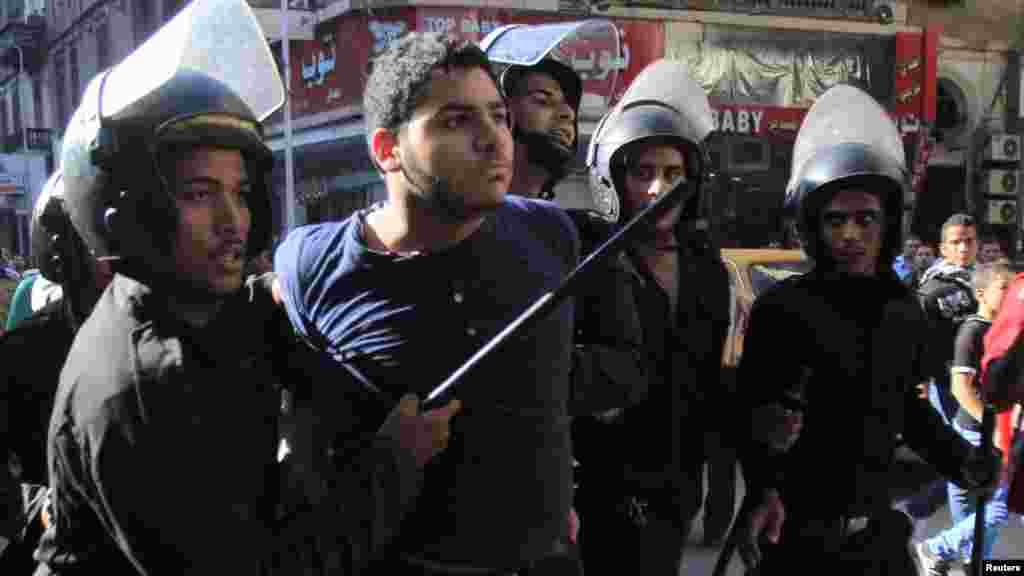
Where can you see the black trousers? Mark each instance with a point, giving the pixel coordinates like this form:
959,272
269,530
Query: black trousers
625,531
841,545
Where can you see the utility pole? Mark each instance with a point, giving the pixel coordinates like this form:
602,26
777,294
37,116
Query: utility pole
289,177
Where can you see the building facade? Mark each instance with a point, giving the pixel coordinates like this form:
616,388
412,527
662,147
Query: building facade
762,69
50,50
949,81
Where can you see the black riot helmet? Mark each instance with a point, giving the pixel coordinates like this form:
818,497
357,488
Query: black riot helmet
517,50
53,237
663,105
60,253
205,78
847,140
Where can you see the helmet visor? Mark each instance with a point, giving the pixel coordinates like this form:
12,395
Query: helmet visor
219,39
591,48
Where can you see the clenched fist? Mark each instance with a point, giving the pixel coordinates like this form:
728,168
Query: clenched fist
424,435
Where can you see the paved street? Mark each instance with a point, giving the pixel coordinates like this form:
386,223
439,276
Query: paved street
699,561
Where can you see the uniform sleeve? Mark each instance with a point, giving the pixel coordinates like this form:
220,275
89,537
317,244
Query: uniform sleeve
718,302
150,487
767,368
81,538
610,365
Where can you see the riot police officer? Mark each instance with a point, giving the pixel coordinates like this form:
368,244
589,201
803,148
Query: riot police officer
850,360
163,441
610,366
649,457
544,100
543,95
32,355
161,448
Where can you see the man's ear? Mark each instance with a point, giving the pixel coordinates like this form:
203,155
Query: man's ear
386,153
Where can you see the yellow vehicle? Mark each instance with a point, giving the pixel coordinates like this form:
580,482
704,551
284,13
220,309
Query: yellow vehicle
751,272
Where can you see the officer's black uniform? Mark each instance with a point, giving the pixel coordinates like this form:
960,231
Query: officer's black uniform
643,465
163,441
852,347
611,367
32,355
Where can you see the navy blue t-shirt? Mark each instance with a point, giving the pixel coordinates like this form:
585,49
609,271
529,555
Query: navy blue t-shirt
500,495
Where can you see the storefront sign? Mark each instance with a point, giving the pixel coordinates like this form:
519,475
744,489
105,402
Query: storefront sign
911,81
758,120
330,75
915,89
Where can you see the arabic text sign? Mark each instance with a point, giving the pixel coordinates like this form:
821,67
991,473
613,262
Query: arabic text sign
910,74
330,72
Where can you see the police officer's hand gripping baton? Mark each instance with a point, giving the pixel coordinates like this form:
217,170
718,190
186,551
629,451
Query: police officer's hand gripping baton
550,300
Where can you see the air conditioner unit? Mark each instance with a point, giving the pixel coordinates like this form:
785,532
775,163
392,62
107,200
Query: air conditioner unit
1003,148
1002,211
1002,182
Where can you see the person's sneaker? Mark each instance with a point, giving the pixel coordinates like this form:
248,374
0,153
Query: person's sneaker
929,564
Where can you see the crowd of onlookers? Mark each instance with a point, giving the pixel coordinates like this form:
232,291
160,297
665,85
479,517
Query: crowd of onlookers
919,255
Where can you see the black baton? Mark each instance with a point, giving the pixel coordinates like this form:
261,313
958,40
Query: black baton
549,300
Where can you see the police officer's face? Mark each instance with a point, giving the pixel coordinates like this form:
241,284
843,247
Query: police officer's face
650,171
960,245
540,106
459,133
852,228
213,226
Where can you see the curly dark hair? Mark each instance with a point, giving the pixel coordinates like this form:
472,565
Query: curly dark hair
400,75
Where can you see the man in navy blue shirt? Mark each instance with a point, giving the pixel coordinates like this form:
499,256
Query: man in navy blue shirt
404,292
